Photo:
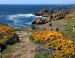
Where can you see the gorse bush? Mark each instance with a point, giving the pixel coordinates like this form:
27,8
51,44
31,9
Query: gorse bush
7,35
63,46
46,35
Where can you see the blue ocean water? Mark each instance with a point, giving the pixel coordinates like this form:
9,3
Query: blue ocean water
22,15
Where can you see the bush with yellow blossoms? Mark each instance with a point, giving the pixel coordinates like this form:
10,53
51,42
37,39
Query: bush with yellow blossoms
7,35
63,46
46,35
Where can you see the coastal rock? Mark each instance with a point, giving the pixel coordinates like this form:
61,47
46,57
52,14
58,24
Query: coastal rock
51,15
38,21
44,12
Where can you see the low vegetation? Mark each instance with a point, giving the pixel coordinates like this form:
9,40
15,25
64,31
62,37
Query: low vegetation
55,44
8,36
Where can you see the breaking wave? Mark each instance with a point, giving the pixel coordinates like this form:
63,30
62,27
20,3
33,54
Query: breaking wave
21,20
18,20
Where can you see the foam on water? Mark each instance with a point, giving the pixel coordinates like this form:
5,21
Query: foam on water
21,20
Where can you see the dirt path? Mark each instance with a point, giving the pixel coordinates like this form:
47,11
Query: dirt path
24,49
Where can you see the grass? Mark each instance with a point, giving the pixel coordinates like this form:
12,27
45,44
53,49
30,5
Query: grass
69,29
40,55
68,33
6,52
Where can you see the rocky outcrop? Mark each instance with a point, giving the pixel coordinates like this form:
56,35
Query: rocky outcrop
51,15
44,12
38,21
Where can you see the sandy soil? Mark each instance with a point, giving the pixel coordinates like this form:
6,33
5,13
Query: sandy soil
28,48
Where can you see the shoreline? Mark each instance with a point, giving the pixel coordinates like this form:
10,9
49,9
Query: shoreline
43,16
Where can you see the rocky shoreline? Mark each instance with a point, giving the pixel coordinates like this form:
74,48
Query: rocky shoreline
50,15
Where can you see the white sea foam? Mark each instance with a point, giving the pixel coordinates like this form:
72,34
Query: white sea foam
26,15
22,19
29,23
12,17
40,17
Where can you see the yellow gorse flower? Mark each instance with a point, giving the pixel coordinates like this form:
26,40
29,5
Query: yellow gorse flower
5,32
63,45
46,35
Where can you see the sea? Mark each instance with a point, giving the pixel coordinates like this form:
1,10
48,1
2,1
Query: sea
20,16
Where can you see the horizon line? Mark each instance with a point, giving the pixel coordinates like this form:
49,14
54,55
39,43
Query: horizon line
37,4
